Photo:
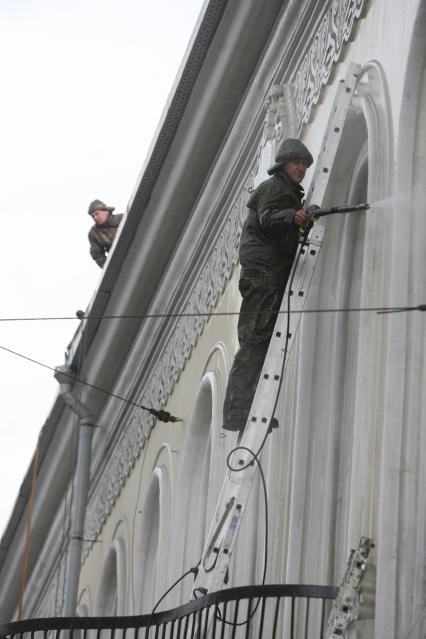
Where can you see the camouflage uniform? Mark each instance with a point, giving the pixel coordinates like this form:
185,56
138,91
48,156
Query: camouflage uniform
101,236
267,249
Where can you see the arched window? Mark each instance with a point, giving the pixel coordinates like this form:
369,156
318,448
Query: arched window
84,603
150,539
150,568
111,595
200,473
83,610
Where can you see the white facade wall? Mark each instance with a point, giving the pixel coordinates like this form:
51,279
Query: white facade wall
350,454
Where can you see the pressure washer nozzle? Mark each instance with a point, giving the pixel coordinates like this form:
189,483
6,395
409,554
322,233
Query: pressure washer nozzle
345,208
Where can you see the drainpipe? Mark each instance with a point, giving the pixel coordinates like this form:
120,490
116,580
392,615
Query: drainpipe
66,377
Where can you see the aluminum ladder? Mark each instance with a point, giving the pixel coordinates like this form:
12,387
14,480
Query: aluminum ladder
238,482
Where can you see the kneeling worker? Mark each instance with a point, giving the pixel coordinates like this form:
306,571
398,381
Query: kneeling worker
104,230
268,247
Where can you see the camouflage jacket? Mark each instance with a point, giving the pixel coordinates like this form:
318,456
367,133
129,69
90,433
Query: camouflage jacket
101,237
269,237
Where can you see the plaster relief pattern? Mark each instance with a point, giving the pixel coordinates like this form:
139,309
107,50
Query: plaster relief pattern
288,106
335,29
203,298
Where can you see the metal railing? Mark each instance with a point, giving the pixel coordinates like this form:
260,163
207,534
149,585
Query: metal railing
274,611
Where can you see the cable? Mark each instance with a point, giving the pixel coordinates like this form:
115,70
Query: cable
289,311
255,456
293,271
194,570
161,415
181,578
265,555
351,309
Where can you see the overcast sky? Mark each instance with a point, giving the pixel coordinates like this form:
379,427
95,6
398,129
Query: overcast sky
83,85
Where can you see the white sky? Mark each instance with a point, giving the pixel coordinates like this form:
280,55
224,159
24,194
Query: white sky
83,85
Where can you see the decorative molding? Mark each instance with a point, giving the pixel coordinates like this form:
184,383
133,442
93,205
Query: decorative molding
288,107
280,122
326,47
346,608
281,116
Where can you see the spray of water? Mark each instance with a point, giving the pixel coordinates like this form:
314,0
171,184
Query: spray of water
390,202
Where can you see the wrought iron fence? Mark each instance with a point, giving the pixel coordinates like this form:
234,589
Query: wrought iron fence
263,612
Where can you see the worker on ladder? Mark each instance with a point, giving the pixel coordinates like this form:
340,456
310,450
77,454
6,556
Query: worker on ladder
268,247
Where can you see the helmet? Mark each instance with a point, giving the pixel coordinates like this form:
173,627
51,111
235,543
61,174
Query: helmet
290,149
98,205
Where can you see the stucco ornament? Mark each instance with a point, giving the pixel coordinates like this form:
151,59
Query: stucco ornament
287,107
280,122
346,607
336,28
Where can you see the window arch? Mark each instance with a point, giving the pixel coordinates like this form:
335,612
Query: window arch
84,603
111,593
150,568
200,473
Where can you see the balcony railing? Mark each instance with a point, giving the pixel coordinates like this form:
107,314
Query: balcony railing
265,612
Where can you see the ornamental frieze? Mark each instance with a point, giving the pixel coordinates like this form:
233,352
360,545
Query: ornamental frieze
335,30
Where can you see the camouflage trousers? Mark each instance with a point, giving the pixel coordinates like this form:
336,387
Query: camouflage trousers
262,295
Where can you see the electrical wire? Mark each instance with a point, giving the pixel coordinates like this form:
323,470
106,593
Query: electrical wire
285,350
350,309
266,539
165,416
161,415
80,316
289,311
194,571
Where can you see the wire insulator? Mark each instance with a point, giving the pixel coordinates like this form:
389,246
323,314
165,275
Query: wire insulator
164,415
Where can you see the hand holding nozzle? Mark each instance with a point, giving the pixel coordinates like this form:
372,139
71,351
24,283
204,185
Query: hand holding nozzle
301,217
305,219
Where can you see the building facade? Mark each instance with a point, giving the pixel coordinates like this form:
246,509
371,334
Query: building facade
349,456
